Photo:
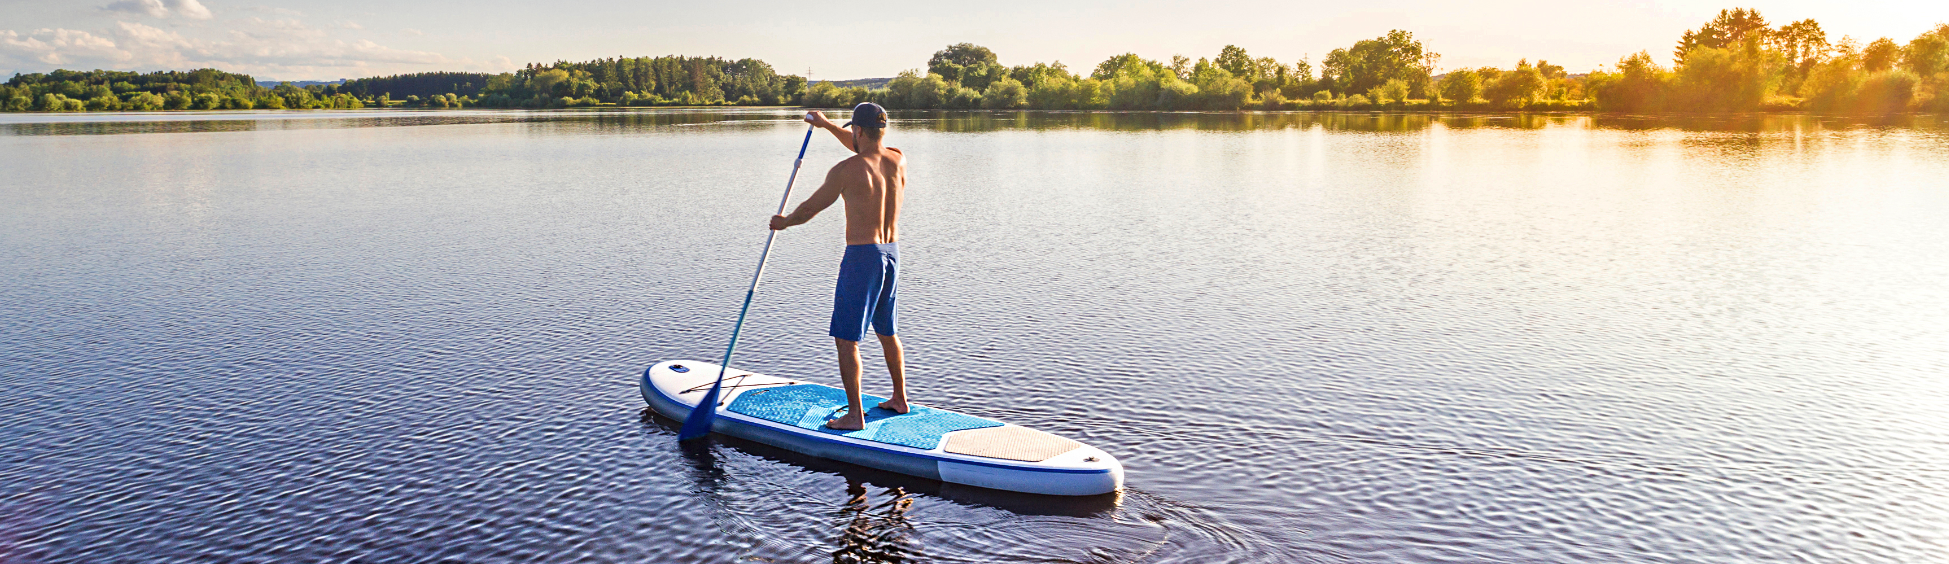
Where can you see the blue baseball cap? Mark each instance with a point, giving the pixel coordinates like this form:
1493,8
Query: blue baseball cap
868,114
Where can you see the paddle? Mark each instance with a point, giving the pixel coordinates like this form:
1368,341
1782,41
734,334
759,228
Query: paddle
698,423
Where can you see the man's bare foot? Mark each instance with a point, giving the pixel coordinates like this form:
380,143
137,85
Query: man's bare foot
896,405
848,422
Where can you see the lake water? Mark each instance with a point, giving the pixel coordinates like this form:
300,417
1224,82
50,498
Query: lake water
397,336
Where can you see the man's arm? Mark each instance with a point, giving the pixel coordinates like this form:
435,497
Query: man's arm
845,136
818,202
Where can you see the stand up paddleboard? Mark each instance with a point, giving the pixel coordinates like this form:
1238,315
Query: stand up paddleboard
925,442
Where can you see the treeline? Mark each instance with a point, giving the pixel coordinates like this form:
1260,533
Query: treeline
643,81
1736,62
203,89
423,85
1391,71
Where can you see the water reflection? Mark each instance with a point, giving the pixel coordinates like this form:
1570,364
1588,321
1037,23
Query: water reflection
204,122
705,465
876,532
948,121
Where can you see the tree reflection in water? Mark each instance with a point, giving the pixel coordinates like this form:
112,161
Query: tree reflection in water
876,533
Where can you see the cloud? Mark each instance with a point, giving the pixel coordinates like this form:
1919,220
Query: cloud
59,46
349,24
191,9
412,32
153,8
273,48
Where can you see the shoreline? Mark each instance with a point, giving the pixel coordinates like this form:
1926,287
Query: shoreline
1452,110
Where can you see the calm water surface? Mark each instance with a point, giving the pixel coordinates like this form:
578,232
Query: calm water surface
393,336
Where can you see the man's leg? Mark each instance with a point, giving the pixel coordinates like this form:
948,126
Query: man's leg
855,418
896,367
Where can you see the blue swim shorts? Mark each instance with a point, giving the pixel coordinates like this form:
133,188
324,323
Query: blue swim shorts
869,276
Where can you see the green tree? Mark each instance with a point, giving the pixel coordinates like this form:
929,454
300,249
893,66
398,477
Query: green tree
1928,53
1270,74
1638,85
1549,71
1005,94
1395,90
1803,44
822,95
1032,76
549,82
144,102
1517,88
1732,28
1297,82
950,62
104,103
1461,86
294,97
1736,79
1235,61
910,90
1886,92
963,98
1127,64
1181,65
1880,55
1176,95
1373,62
1218,89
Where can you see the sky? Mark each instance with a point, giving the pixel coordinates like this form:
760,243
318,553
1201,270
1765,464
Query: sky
311,40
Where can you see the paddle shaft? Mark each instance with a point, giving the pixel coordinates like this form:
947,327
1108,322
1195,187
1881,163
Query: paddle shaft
698,423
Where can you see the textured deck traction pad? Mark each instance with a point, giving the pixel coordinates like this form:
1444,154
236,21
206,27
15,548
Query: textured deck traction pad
808,406
1011,443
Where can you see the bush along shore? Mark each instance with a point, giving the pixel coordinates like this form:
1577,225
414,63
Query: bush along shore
1735,63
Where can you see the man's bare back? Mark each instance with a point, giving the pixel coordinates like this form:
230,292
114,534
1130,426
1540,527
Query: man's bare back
872,182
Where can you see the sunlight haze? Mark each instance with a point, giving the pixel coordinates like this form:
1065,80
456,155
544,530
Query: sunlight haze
842,40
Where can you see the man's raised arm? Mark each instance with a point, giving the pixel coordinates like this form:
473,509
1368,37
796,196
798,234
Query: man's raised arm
818,119
818,202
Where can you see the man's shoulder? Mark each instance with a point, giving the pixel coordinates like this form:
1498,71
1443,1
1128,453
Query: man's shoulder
850,167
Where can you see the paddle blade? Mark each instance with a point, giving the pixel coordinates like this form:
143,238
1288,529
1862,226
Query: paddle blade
698,423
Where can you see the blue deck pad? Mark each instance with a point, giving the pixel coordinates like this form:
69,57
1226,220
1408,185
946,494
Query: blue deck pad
808,406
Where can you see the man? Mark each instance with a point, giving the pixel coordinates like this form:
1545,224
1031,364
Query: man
872,182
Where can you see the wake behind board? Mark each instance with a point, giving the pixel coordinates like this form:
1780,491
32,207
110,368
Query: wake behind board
925,442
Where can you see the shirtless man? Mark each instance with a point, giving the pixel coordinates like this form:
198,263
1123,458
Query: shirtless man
872,182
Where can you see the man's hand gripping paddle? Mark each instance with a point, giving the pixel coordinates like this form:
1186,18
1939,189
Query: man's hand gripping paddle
698,423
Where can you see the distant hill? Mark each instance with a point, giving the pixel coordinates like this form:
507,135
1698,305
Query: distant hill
871,83
300,83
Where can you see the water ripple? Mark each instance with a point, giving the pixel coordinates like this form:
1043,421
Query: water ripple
380,336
